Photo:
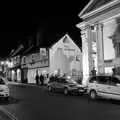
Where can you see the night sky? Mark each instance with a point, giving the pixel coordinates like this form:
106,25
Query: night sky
55,19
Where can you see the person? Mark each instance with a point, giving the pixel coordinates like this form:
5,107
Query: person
42,79
114,71
37,78
93,72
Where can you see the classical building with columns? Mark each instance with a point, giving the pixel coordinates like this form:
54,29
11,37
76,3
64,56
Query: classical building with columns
100,33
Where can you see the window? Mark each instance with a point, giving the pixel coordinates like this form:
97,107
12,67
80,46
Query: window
58,80
63,80
93,79
115,81
104,79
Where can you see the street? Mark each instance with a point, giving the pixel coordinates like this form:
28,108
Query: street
36,103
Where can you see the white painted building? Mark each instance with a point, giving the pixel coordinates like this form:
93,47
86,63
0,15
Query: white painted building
100,33
66,57
35,62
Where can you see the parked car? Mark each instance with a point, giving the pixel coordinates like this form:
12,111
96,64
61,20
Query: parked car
66,85
4,90
105,86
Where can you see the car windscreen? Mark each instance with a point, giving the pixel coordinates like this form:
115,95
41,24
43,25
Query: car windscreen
2,82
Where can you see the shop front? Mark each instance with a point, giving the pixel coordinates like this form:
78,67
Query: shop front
14,69
100,33
34,62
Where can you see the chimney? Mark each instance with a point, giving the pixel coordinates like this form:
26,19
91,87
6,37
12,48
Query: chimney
18,42
30,41
39,36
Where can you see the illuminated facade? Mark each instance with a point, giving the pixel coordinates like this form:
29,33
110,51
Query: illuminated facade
100,33
66,57
35,61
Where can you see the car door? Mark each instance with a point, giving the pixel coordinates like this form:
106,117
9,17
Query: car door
114,88
58,83
103,86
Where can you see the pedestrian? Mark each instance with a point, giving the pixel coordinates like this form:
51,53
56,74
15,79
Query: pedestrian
93,72
42,79
114,71
37,78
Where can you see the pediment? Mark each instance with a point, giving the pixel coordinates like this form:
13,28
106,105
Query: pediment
93,5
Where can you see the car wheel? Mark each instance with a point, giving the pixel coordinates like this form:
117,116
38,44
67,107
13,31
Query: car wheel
93,95
66,91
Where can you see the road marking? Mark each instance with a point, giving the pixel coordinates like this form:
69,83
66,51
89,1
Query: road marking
10,115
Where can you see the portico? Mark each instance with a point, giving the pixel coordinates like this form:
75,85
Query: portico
99,25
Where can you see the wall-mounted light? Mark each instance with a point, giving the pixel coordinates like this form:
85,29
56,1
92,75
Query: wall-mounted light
2,62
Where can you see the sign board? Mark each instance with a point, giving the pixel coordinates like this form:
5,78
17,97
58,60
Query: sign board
35,60
16,61
43,52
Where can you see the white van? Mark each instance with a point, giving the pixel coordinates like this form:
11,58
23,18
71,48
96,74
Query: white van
105,86
4,90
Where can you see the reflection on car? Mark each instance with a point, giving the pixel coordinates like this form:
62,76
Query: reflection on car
4,90
105,86
65,84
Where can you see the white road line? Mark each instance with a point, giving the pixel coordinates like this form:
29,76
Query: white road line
10,115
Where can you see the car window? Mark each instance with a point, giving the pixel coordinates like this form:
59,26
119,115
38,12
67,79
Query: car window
104,79
115,81
58,80
52,79
2,81
63,80
93,79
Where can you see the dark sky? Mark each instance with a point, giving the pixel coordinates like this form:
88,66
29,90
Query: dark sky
19,22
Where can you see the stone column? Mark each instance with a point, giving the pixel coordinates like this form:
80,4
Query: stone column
100,48
85,35
89,39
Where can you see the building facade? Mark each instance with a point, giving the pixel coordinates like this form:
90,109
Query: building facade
100,33
34,62
66,57
14,69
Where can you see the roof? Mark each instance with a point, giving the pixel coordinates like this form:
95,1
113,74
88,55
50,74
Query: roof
18,50
27,50
93,5
59,36
33,49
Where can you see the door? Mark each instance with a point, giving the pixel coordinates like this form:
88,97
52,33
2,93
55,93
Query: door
59,84
103,86
115,88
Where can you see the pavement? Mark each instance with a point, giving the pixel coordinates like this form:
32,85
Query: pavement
25,84
18,83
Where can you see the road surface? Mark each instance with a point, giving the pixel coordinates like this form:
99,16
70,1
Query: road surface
36,103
